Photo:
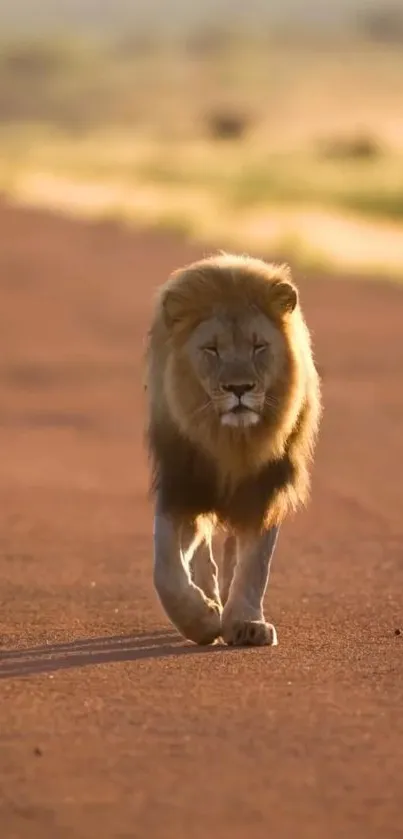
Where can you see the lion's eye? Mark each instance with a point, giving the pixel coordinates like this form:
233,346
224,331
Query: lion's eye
211,350
259,347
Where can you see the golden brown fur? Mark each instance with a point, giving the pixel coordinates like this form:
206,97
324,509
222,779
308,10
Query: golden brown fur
247,478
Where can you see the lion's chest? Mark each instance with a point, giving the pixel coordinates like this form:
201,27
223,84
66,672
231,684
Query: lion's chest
189,485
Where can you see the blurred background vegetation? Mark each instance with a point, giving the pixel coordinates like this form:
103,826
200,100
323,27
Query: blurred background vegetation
276,126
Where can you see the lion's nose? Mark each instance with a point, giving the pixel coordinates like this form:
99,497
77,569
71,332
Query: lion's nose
240,389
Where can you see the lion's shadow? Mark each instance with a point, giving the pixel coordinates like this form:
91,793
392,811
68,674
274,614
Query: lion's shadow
30,661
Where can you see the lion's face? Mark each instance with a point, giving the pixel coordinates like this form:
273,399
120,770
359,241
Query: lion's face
237,359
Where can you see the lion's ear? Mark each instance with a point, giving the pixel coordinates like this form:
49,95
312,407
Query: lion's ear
171,304
284,297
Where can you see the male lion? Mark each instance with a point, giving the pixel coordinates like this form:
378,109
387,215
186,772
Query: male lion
234,409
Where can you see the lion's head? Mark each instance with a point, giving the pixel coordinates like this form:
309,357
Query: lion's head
230,365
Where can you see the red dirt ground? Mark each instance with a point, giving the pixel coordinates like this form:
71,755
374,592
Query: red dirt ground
110,726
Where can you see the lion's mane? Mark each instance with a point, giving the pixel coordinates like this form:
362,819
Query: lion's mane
247,480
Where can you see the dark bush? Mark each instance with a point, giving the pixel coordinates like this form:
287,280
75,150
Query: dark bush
382,25
358,147
227,125
33,61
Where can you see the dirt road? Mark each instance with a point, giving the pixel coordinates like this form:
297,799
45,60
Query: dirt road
110,726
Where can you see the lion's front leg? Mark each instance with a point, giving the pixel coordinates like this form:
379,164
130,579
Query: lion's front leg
243,621
204,571
228,564
195,615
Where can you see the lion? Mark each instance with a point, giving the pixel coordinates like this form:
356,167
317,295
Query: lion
234,408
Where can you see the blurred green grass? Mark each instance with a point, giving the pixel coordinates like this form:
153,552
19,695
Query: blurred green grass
373,187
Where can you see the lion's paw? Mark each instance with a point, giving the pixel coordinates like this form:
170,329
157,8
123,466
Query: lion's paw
207,628
250,633
202,624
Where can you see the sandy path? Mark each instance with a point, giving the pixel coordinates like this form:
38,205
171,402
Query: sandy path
110,726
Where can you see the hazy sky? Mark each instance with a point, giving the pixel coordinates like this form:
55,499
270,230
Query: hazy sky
29,15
